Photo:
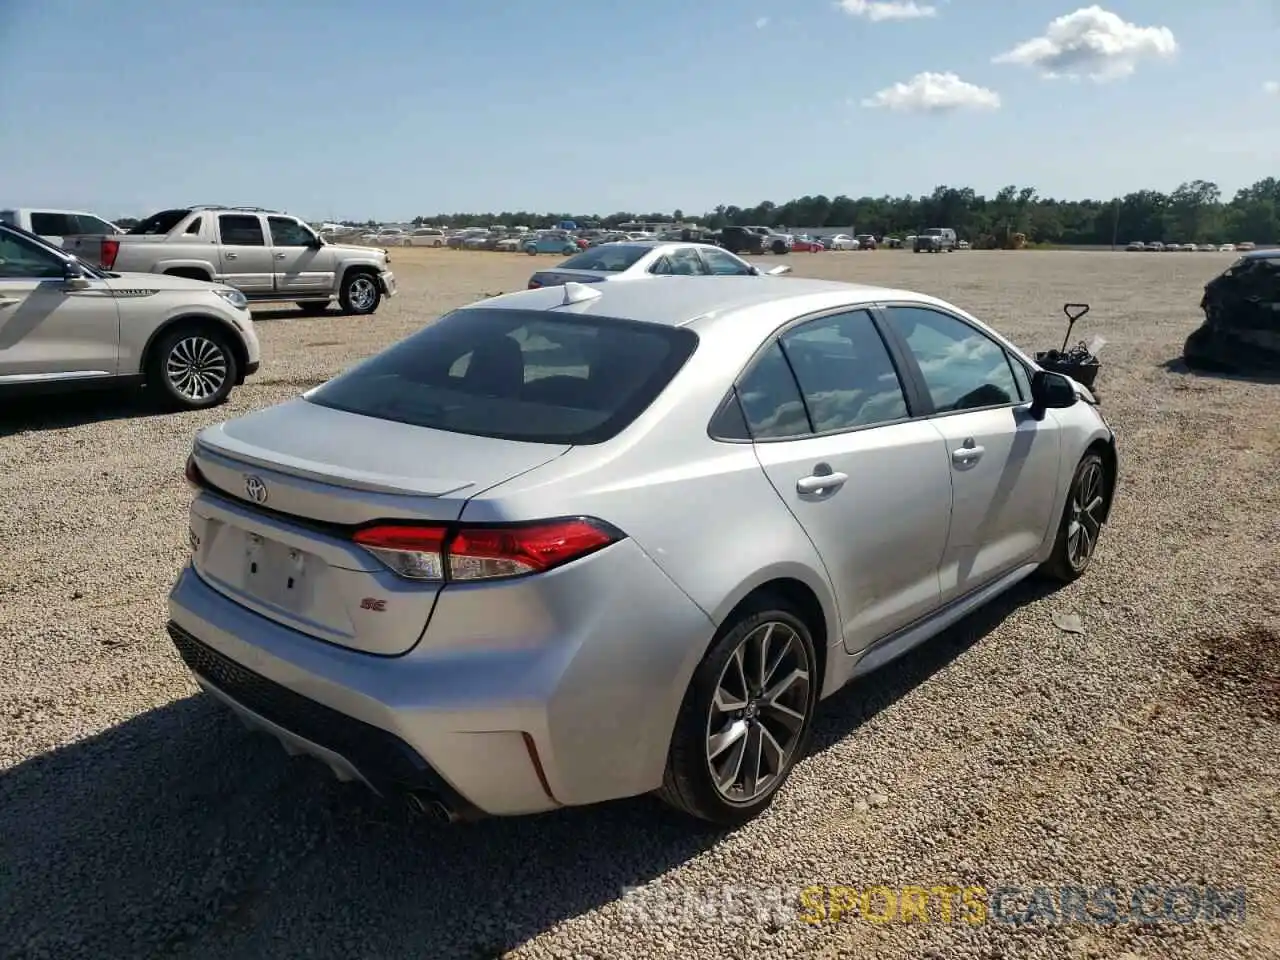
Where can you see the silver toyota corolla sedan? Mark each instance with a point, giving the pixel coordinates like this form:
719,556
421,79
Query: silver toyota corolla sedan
636,259
590,541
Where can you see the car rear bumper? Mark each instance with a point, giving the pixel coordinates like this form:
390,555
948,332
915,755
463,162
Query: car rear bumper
557,693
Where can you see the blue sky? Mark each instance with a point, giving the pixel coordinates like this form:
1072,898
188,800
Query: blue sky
334,109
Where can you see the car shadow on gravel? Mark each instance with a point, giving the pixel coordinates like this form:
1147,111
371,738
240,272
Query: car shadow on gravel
76,409
1180,365
843,713
180,833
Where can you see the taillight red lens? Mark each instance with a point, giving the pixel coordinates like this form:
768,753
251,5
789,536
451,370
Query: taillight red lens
534,284
110,250
481,552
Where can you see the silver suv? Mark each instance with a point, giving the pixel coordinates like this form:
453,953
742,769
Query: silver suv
65,324
268,256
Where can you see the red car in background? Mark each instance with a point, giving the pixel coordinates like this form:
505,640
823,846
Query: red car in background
807,245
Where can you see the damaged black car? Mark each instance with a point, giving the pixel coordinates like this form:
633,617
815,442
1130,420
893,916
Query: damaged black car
1241,329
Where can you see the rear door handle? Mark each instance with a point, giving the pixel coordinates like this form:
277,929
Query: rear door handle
967,455
821,483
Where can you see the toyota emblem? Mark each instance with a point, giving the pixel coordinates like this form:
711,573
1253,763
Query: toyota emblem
256,489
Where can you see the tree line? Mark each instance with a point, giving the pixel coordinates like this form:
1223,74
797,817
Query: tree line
1196,212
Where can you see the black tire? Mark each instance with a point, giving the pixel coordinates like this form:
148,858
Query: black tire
688,784
313,307
1066,564
202,346
361,293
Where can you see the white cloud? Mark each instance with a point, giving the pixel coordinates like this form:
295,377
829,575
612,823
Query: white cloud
934,93
1092,42
877,10
1271,86
762,22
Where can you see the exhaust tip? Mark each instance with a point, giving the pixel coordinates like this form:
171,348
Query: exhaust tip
431,808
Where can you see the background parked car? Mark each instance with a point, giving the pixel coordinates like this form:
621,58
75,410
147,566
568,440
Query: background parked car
553,241
807,245
649,258
427,237
866,241
59,226
740,240
842,241
190,342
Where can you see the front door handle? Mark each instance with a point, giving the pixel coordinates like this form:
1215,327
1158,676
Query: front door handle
231,256
281,256
8,301
821,483
967,454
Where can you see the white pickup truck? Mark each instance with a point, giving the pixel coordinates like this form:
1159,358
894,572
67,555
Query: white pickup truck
58,226
267,255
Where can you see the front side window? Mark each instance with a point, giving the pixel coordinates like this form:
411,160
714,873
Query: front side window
963,369
681,262
241,231
22,260
517,375
722,264
289,233
845,372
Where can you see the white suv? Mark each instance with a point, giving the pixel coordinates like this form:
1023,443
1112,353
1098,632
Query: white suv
65,324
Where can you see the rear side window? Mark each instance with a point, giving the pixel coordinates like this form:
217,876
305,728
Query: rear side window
89,224
845,372
517,375
159,223
53,225
241,231
770,399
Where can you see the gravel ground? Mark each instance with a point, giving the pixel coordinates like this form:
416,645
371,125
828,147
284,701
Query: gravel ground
136,819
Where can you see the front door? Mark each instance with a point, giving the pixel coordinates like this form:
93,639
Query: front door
869,485
301,267
1004,464
47,331
245,257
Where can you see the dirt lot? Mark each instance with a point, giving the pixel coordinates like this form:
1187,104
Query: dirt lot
136,819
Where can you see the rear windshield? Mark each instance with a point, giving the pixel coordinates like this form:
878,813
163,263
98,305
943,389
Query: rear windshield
517,375
610,258
159,223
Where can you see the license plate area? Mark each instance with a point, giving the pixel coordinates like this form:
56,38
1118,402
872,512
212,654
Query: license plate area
276,573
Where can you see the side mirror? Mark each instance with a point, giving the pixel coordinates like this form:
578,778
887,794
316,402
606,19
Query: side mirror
316,243
73,277
1051,391
779,270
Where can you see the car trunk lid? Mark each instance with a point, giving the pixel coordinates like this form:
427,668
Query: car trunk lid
285,487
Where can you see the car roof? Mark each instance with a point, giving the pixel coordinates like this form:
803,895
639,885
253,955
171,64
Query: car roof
680,301
1268,254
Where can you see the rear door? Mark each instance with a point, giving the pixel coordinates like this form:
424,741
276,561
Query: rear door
1004,464
48,332
832,428
300,266
246,260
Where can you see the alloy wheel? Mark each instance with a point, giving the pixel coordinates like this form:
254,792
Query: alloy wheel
197,367
758,712
362,293
1086,515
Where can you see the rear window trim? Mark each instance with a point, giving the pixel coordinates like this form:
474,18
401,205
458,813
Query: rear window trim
686,343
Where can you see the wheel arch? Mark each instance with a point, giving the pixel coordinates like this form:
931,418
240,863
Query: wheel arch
196,320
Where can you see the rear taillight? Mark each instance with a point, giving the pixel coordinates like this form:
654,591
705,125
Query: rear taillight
110,250
467,552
